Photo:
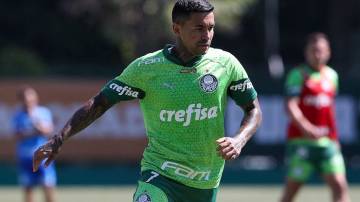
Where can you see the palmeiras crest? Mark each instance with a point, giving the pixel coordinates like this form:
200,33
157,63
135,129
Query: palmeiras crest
208,83
144,197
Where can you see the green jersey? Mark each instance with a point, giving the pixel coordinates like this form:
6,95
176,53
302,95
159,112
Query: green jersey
183,107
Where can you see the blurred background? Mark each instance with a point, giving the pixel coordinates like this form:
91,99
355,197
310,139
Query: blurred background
68,49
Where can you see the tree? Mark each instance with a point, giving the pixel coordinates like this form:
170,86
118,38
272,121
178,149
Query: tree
137,26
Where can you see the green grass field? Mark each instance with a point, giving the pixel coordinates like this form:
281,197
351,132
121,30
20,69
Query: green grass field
226,194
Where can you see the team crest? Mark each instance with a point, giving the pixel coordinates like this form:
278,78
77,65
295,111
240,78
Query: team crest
208,83
144,197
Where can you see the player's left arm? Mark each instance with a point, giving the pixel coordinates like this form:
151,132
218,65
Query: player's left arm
230,147
244,94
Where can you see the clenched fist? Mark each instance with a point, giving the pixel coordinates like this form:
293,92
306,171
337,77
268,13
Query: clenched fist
228,148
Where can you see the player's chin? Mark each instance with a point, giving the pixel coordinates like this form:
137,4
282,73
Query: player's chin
202,49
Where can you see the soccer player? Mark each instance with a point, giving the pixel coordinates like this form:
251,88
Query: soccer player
312,138
32,125
183,91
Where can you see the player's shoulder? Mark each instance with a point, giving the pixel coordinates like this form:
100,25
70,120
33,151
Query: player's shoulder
222,57
143,65
219,54
156,57
331,72
297,71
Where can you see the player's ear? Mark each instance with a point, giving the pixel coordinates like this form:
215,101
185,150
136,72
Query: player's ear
176,28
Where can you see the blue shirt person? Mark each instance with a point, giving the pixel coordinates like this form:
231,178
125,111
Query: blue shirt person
32,124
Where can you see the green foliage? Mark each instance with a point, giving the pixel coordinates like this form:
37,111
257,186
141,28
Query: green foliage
229,12
136,26
16,61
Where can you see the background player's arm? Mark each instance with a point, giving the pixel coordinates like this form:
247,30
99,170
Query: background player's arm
42,127
38,127
230,147
293,87
298,118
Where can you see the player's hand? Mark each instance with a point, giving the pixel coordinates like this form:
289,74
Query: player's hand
316,132
47,151
228,148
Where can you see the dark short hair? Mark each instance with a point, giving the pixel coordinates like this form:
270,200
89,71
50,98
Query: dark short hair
183,9
315,37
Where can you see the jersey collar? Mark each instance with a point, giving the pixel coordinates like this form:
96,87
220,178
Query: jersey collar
168,53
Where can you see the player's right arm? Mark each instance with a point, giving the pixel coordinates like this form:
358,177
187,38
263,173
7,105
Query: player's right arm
297,116
113,92
82,118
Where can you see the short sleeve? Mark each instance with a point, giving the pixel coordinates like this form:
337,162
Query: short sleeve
132,75
46,117
336,82
334,77
294,82
241,90
127,86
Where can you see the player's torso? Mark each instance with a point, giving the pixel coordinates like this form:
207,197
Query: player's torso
181,98
317,96
317,99
184,116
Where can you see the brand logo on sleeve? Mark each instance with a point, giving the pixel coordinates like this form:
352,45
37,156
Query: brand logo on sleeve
193,112
208,83
242,86
124,90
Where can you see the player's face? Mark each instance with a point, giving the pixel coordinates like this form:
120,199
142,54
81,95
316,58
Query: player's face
196,33
318,54
30,99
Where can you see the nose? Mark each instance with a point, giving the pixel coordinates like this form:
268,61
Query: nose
206,35
318,55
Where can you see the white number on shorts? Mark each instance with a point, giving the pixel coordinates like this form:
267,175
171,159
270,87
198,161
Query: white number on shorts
154,174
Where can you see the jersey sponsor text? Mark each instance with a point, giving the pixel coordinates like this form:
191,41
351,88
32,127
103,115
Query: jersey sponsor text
124,90
185,171
185,116
242,86
318,101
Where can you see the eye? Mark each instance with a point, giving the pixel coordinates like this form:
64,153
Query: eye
199,28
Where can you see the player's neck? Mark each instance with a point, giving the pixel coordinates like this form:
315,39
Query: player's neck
182,53
317,67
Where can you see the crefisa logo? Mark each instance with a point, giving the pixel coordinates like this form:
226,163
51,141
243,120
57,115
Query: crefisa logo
208,83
